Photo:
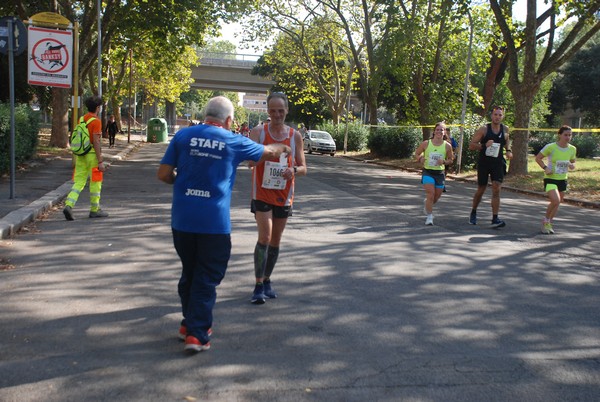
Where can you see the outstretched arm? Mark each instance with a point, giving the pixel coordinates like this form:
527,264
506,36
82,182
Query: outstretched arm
166,173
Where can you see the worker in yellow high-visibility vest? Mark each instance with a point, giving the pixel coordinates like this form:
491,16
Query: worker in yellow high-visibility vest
90,165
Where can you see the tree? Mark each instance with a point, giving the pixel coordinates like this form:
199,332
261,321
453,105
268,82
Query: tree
578,85
425,61
315,89
525,79
309,49
164,29
361,23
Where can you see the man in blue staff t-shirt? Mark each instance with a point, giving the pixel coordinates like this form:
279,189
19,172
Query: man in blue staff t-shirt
201,163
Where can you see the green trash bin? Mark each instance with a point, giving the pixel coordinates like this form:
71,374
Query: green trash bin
157,130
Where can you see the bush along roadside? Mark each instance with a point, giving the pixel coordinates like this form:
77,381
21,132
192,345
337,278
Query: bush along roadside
27,126
394,142
357,135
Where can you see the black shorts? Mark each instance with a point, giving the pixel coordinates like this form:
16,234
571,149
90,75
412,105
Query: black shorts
278,211
561,185
485,169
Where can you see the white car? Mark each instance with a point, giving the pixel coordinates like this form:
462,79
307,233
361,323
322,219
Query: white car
319,141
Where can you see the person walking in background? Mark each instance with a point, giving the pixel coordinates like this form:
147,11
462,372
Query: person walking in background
560,156
273,192
244,129
201,163
435,154
112,129
89,165
490,140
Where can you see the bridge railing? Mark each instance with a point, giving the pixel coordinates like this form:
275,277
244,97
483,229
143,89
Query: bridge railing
228,59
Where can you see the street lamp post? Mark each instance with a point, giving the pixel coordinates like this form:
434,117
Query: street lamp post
347,118
99,48
465,93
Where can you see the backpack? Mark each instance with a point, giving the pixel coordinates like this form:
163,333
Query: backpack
80,138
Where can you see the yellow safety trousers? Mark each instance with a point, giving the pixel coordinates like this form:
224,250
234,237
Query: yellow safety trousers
84,166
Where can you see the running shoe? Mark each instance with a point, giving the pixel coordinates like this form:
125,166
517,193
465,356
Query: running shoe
258,297
547,228
497,223
193,344
183,332
473,218
268,290
429,220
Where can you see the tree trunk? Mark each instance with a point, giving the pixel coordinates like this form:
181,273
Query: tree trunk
116,110
520,138
372,111
60,118
171,115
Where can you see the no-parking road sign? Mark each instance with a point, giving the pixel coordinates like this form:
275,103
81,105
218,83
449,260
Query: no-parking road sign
50,57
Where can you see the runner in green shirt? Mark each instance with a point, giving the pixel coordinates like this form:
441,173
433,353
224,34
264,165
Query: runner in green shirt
560,157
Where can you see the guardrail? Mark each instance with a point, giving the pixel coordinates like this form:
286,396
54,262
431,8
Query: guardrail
228,59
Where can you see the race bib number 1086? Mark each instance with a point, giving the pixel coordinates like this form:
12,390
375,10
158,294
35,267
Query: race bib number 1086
273,176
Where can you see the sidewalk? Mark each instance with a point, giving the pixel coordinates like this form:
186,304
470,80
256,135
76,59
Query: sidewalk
42,185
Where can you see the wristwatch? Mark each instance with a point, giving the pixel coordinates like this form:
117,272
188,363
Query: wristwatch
295,170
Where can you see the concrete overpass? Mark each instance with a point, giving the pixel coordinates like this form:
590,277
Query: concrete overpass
229,72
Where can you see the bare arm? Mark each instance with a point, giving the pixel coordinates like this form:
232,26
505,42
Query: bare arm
420,150
539,159
254,136
97,144
449,154
509,153
475,144
166,173
274,151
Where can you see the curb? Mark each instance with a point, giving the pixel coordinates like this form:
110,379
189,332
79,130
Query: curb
15,220
538,194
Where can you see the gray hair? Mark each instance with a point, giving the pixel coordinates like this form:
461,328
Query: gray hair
219,108
279,95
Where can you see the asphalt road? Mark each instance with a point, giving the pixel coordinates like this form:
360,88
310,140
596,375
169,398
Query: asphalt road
373,304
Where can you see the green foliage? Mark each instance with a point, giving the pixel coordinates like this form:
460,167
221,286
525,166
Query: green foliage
26,134
309,61
539,139
587,145
394,142
357,135
579,85
468,158
424,62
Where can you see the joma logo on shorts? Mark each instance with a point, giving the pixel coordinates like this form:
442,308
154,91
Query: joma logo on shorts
197,193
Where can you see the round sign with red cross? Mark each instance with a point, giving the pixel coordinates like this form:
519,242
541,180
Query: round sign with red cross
50,57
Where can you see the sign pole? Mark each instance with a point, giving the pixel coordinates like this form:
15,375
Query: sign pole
75,117
11,74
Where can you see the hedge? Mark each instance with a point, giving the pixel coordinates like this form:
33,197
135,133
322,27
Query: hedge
27,126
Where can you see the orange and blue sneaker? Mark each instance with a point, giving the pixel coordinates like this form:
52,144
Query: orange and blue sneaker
183,332
193,345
